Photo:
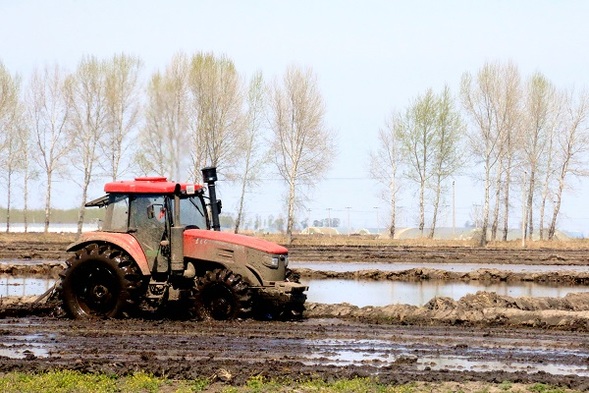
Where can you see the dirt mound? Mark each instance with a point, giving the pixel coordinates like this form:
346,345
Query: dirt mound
481,309
50,269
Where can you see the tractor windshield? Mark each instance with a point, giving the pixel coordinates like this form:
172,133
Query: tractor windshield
192,212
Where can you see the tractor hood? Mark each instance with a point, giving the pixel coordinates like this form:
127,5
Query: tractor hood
196,237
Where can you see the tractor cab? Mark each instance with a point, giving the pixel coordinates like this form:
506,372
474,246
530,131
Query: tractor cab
145,208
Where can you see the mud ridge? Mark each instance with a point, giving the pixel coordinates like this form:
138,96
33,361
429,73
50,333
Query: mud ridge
422,274
481,309
49,270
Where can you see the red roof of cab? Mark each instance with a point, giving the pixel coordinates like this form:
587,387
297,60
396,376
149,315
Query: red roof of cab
147,185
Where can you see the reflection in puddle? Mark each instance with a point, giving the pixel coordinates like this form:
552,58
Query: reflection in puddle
20,347
356,292
463,364
380,353
24,286
381,293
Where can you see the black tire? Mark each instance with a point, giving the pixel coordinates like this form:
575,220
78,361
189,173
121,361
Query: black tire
222,295
100,281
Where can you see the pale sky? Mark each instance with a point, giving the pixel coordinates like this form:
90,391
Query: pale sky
370,57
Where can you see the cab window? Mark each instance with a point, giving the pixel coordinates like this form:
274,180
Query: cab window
192,213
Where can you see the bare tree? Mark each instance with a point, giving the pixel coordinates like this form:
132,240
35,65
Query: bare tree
447,143
251,153
540,121
86,93
216,113
123,94
508,121
482,97
429,136
385,163
29,173
416,134
164,137
11,145
302,145
573,146
49,112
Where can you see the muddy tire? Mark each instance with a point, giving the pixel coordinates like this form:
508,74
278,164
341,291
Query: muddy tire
100,281
222,295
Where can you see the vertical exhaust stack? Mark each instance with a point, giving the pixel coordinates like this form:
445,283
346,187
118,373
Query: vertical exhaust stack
177,238
209,176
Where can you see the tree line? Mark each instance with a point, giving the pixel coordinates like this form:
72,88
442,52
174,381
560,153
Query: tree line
517,135
102,120
105,119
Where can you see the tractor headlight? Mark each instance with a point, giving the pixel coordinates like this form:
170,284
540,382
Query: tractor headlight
276,259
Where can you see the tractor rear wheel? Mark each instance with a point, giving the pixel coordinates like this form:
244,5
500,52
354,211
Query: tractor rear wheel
222,295
100,281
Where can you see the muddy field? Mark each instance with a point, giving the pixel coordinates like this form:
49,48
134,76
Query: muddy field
480,337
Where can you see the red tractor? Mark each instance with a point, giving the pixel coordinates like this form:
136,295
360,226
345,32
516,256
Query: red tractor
156,251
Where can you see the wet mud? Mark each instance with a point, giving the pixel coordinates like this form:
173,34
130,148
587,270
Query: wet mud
481,337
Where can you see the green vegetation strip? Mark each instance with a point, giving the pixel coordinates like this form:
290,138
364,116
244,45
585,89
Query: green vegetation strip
73,381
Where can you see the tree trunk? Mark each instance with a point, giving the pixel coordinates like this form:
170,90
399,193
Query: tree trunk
530,204
421,207
26,198
506,188
485,225
8,198
495,223
291,206
436,208
48,202
393,225
242,195
82,211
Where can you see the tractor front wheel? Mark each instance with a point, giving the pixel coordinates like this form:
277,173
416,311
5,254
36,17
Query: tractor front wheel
101,281
222,295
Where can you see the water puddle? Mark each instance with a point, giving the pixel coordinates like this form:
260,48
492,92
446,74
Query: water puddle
12,286
380,353
381,293
356,292
463,364
451,267
21,347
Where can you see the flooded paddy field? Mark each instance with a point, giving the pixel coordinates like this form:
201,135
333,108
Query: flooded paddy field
441,318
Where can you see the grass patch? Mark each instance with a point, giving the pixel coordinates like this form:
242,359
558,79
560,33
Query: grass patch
74,381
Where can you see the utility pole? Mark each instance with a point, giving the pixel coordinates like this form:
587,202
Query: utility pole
376,209
454,208
349,228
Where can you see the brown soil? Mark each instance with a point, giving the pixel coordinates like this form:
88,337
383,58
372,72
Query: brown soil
441,341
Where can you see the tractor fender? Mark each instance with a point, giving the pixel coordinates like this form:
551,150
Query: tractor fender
124,241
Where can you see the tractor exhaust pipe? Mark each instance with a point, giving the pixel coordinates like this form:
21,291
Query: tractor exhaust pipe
209,176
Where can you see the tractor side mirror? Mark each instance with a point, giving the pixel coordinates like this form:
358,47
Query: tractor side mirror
219,206
150,212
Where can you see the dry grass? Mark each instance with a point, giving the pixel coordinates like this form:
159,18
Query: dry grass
325,240
34,237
